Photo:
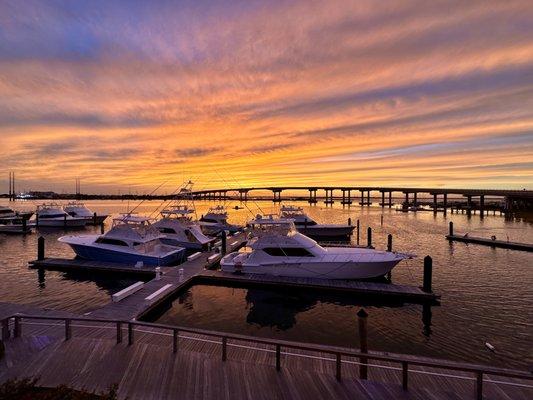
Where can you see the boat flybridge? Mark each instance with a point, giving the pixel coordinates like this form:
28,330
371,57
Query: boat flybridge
132,239
80,210
180,230
306,225
52,215
277,248
216,221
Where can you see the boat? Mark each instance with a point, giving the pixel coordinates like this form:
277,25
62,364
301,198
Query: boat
216,220
7,213
52,215
131,240
16,225
79,210
278,249
309,227
180,230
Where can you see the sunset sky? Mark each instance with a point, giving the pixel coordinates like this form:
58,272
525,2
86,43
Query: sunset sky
135,93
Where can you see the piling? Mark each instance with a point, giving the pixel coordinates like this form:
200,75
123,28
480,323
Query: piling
37,219
24,226
381,220
358,226
451,228
40,248
363,344
428,274
102,228
369,237
94,219
349,221
65,221
223,240
389,242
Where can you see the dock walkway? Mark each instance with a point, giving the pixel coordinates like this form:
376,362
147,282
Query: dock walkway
490,242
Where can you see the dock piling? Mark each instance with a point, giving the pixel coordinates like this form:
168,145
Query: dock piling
175,340
349,221
389,242
363,344
102,228
94,218
119,332
381,220
428,274
223,247
24,225
451,228
358,226
40,248
369,237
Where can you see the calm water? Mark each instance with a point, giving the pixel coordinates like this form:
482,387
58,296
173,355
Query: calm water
486,293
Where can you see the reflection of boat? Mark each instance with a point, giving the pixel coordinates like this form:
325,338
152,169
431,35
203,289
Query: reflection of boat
278,249
51,215
15,225
180,230
79,210
130,240
216,220
309,227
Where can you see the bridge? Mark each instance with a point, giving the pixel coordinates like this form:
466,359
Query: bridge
513,200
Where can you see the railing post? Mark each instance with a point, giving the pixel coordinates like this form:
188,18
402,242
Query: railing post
119,332
479,386
130,333
278,357
5,329
18,328
339,365
224,343
405,370
68,332
175,340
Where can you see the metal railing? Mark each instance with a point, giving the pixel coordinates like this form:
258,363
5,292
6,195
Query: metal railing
404,360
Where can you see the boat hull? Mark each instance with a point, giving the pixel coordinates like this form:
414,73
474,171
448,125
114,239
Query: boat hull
61,223
107,255
181,243
92,221
340,270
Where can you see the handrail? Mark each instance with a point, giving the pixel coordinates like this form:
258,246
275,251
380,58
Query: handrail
338,352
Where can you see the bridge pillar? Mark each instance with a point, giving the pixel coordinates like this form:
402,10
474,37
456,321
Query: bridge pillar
277,195
329,196
469,205
445,202
435,204
407,198
481,205
312,196
390,199
368,198
415,202
362,197
382,199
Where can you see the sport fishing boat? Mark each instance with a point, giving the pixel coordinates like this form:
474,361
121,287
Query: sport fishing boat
216,220
132,239
51,215
16,225
309,227
7,213
180,230
79,210
278,249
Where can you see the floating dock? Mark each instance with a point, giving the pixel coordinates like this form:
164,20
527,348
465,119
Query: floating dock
491,242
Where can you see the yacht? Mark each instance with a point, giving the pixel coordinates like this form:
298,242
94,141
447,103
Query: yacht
309,227
278,249
180,230
79,210
8,213
132,239
51,215
216,220
16,225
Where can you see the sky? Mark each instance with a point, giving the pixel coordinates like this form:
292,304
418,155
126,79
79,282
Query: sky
129,95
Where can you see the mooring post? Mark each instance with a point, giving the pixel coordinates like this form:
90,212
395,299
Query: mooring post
358,226
349,222
37,220
369,237
223,241
428,273
40,248
102,228
451,228
24,226
381,220
94,218
363,343
389,242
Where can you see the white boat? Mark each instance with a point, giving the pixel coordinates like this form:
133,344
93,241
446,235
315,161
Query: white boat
132,239
278,249
51,215
16,225
216,220
180,230
7,213
79,210
309,227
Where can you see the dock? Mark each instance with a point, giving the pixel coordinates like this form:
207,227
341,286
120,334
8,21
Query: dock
149,360
491,242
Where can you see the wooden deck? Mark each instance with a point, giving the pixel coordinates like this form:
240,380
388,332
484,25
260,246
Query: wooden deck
148,368
489,242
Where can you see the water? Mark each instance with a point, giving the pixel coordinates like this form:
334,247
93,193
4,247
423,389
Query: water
487,293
